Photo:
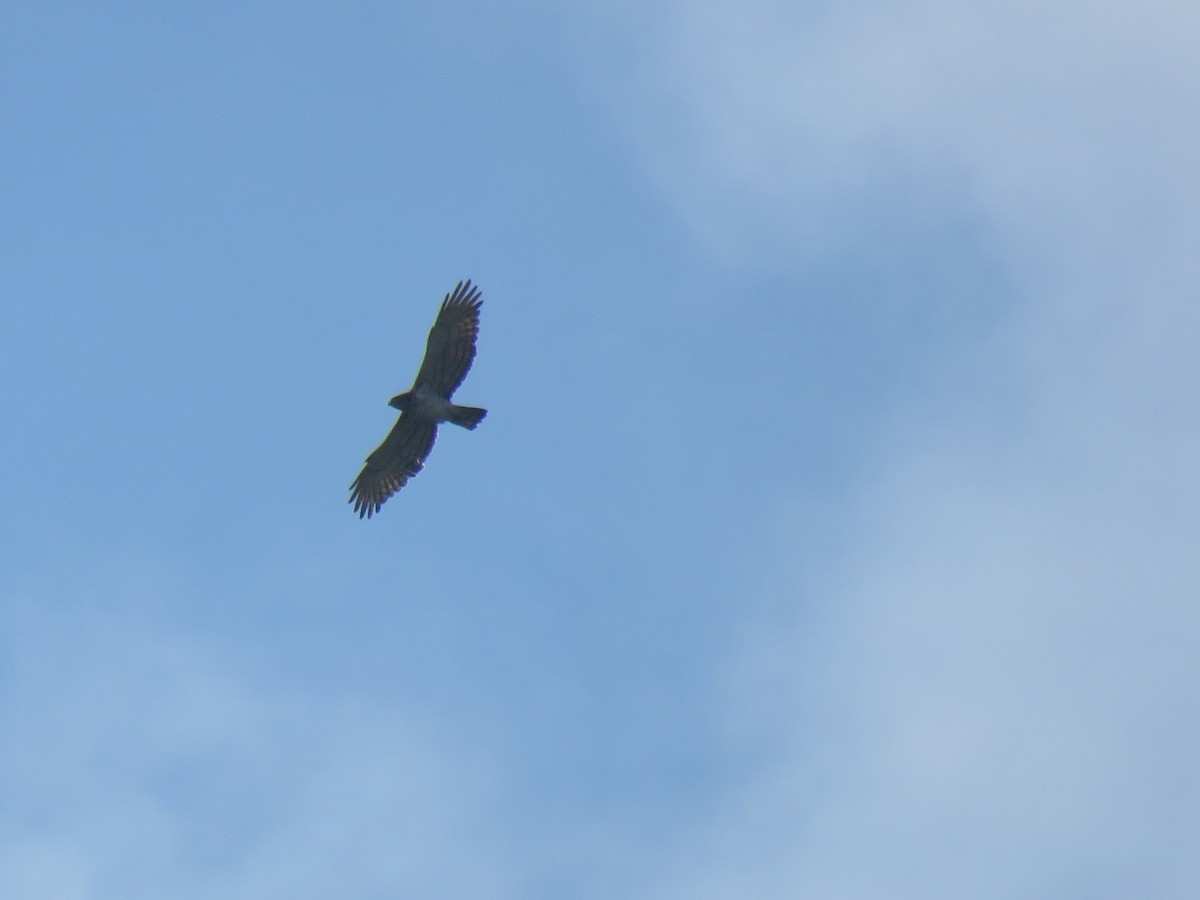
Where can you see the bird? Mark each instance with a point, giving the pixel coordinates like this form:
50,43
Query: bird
449,352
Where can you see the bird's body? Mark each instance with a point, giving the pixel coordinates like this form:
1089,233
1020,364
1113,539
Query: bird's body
427,404
449,352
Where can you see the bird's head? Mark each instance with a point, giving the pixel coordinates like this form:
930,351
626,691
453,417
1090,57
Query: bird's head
400,401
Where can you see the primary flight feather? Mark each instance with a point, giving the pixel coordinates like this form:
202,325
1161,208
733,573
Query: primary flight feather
449,352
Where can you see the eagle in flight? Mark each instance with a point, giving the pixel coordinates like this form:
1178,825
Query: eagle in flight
449,352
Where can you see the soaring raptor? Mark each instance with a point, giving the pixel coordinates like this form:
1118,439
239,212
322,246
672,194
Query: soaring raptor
448,356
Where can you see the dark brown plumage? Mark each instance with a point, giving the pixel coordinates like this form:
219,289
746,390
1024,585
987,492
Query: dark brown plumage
449,352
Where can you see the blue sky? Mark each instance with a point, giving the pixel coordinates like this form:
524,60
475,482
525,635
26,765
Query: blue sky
831,534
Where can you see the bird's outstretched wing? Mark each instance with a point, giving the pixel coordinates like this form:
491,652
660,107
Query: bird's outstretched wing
450,349
397,459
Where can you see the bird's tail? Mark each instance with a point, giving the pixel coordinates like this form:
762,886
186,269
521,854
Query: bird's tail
467,416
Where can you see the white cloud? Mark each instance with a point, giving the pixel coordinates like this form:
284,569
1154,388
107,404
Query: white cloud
991,692
1058,122
140,759
994,696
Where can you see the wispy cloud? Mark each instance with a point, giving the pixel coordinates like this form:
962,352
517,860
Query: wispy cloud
1052,121
990,691
142,759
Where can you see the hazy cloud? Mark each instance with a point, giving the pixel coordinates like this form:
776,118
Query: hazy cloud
140,757
1063,125
991,691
